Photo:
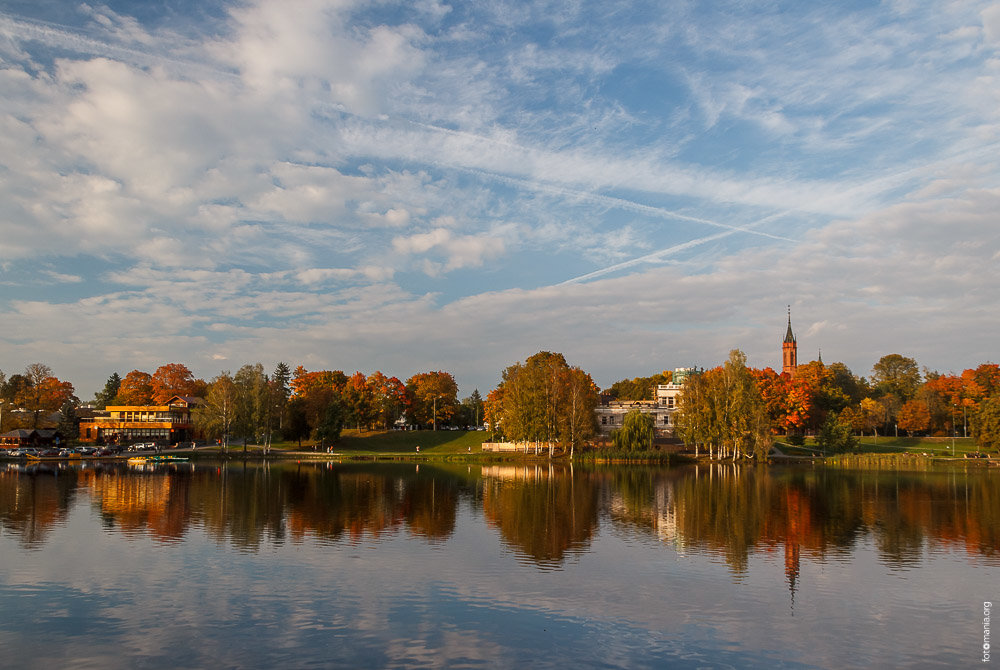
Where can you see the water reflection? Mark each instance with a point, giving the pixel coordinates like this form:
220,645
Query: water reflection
544,513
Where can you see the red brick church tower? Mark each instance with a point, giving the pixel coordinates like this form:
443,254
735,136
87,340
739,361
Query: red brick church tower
789,350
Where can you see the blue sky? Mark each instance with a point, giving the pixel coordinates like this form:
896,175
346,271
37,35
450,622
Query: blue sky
408,186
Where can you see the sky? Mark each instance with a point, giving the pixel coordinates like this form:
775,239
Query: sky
423,185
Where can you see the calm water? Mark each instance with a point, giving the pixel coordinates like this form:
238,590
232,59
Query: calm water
300,565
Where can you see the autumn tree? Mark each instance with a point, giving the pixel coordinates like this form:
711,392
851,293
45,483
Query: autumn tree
725,409
170,380
389,398
136,389
914,417
358,401
434,397
317,390
42,392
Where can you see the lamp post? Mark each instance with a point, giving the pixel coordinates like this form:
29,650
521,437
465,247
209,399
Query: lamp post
953,431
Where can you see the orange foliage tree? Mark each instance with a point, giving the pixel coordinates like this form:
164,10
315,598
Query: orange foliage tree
43,392
914,416
434,397
170,380
136,389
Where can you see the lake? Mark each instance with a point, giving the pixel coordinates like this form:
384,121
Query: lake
459,565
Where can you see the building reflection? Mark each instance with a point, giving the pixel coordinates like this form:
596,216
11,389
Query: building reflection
543,512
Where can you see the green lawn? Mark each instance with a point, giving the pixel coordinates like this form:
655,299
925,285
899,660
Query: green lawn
397,442
934,446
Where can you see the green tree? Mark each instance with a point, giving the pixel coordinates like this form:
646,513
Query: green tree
219,413
725,409
69,426
639,388
835,436
328,431
546,400
280,378
636,433
106,396
898,375
986,427
297,425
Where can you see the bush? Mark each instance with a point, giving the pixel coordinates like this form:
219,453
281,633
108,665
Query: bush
795,439
835,436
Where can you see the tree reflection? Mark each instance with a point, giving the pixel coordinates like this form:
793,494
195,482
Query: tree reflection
544,512
541,511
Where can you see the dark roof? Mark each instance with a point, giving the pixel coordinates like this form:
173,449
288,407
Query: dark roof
789,336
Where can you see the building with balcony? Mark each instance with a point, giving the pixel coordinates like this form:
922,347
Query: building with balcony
662,406
164,424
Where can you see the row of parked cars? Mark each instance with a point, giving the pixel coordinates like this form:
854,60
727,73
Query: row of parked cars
82,452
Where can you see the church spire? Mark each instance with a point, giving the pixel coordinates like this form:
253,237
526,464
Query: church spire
789,349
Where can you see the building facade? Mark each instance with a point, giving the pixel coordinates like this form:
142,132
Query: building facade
662,406
164,424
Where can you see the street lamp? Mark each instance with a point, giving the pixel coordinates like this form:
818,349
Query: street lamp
953,431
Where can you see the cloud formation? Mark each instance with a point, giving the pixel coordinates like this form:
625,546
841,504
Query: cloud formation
413,186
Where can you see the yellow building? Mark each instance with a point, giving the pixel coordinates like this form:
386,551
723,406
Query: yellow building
164,424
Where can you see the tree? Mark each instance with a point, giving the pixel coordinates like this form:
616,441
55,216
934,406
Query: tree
434,397
472,410
14,387
636,433
545,400
170,380
135,389
898,375
281,377
253,393
914,417
725,409
389,398
359,401
639,388
106,396
42,392
318,389
835,436
218,414
69,426
986,427
297,425
329,428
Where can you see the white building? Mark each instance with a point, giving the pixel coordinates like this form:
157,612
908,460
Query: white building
663,406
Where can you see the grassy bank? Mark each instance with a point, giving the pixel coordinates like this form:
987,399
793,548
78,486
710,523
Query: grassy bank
929,446
388,443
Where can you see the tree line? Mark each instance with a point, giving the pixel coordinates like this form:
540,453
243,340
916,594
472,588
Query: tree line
734,410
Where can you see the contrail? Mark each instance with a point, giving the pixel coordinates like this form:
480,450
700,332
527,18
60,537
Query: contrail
669,251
